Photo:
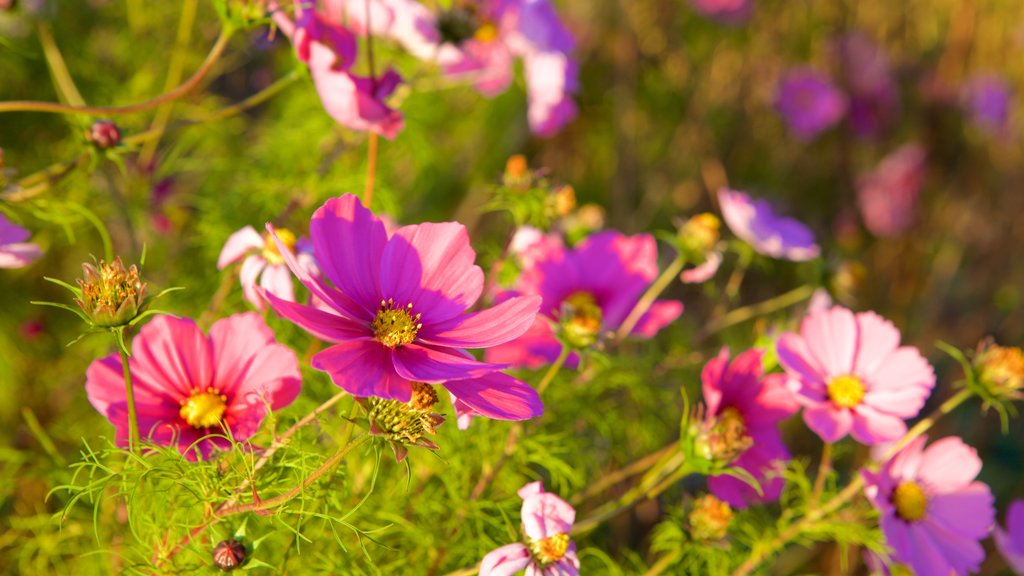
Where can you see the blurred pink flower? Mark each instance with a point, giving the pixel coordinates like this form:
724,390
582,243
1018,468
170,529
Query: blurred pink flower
608,271
15,251
872,89
192,389
1010,542
887,196
987,99
853,377
397,311
546,549
725,11
704,271
262,259
809,103
757,224
933,513
755,404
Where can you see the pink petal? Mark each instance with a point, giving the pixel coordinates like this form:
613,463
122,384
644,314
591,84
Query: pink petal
661,314
828,422
531,489
104,383
831,336
967,512
711,377
904,402
925,557
962,554
498,396
323,325
905,464
491,327
871,426
277,280
774,402
436,365
546,515
238,245
363,369
702,272
876,339
534,349
505,561
798,360
902,369
19,254
252,367
949,464
431,266
349,244
251,268
173,355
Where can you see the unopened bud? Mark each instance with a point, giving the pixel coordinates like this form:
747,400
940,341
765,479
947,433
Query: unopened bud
698,236
517,172
111,295
724,438
562,201
1000,369
709,519
229,554
405,423
580,320
104,134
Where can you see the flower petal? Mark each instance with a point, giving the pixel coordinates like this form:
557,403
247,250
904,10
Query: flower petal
172,355
363,368
238,245
505,561
948,465
661,314
491,327
831,336
498,396
277,280
19,254
876,339
251,366
828,422
870,426
436,365
349,244
323,325
546,514
968,512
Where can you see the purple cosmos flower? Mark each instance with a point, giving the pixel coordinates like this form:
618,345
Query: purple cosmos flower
757,224
751,406
592,288
191,388
547,549
887,196
809,103
262,259
873,92
933,513
397,311
725,11
1011,541
15,251
852,375
986,99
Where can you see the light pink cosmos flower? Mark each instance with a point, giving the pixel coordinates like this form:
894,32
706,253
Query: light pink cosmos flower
397,311
262,259
547,549
190,389
757,224
737,395
852,375
933,513
1010,542
887,196
603,277
704,271
15,250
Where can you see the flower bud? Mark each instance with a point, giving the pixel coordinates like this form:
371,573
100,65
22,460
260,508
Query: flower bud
698,236
104,134
561,201
580,320
517,172
111,295
1000,369
709,519
405,423
229,554
724,437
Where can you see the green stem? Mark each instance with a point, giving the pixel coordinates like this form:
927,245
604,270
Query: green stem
58,69
545,381
133,420
652,293
739,315
823,468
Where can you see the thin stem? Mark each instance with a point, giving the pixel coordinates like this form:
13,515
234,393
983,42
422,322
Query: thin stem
652,293
823,469
732,286
280,440
58,69
663,563
739,315
180,91
371,169
545,381
612,478
129,393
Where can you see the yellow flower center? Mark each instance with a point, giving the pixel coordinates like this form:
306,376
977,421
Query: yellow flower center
581,319
550,549
910,501
204,409
846,391
487,32
270,252
395,326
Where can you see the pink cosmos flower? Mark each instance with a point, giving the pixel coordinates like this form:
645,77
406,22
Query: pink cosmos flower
601,280
751,405
933,513
757,224
15,251
262,259
809,103
547,549
852,375
397,311
888,195
704,271
1011,541
725,11
190,389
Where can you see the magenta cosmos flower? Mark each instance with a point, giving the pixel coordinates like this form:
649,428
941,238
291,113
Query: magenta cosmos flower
547,549
887,196
987,99
852,375
192,389
15,250
329,49
757,224
933,512
1011,541
809,103
600,280
725,11
747,407
260,258
872,89
397,311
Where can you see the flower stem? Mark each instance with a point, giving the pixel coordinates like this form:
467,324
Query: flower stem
545,381
652,293
738,315
129,393
58,69
823,469
371,169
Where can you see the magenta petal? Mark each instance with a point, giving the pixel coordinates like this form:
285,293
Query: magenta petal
534,349
238,245
546,514
828,422
871,426
949,464
491,327
349,244
967,512
172,354
505,561
661,314
498,396
251,365
104,384
436,365
277,280
711,378
963,555
363,369
323,325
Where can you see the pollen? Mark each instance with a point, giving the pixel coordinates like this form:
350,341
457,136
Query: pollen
910,501
395,326
424,397
551,549
204,409
846,391
270,252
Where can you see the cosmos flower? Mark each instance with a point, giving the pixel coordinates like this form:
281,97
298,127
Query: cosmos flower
725,11
589,290
852,376
1010,542
750,406
986,99
871,86
260,258
809,103
546,549
191,389
757,224
396,312
15,250
933,513
887,196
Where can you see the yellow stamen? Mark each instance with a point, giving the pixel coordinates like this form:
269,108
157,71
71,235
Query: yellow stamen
550,549
395,326
204,409
270,252
487,32
910,501
581,319
846,391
